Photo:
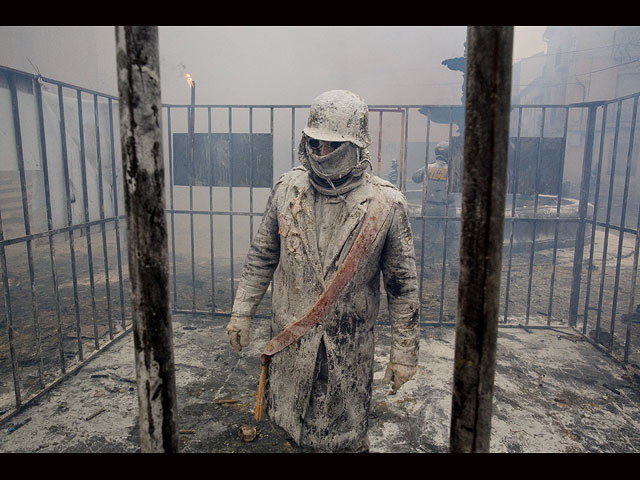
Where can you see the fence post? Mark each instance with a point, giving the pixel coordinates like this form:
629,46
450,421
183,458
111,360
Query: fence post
488,100
582,213
143,168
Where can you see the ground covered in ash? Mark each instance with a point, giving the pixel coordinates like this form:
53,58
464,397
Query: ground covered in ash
554,392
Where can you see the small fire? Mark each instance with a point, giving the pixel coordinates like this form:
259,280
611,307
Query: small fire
189,80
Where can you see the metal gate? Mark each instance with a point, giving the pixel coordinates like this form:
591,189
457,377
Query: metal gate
570,253
63,275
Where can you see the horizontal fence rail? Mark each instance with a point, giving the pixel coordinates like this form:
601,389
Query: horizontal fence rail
570,252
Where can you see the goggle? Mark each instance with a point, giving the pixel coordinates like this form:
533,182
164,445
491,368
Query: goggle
316,144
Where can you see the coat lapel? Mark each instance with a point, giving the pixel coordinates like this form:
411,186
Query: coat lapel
302,210
349,221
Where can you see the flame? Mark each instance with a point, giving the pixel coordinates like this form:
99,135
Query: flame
189,80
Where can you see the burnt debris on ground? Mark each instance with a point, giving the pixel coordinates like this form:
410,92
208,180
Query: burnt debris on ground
554,392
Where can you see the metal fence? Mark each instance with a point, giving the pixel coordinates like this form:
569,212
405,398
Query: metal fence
63,275
571,225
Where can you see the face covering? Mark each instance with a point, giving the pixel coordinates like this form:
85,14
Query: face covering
347,163
335,165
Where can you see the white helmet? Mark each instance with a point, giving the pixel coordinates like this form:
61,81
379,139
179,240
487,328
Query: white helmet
339,116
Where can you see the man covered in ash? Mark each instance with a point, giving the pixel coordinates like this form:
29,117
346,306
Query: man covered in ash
318,388
440,203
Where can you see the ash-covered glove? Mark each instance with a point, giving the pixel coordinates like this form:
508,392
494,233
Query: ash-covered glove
397,374
238,331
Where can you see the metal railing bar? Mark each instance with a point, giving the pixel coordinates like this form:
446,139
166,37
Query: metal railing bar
85,205
191,120
101,202
56,231
634,275
585,179
423,209
251,168
593,222
603,102
232,279
293,135
516,172
622,221
47,197
271,130
608,221
27,223
58,83
557,224
9,314
170,211
535,212
211,235
72,253
374,107
615,227
446,219
115,213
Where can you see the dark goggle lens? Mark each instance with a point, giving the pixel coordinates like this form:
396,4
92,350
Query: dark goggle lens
313,143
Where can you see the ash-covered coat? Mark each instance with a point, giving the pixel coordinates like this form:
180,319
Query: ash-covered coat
285,249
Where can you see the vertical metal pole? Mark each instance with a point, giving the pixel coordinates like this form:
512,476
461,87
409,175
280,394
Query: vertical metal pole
423,213
293,136
625,198
47,197
116,214
401,166
9,315
632,293
582,213
211,235
379,143
251,169
143,166
173,229
534,224
594,223
105,252
634,276
607,226
405,135
27,225
445,221
85,205
514,195
191,120
557,222
233,292
67,190
488,99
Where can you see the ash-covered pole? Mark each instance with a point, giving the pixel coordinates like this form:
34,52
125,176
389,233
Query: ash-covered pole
192,121
143,167
486,135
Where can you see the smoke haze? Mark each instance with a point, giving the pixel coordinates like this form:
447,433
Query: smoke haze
261,64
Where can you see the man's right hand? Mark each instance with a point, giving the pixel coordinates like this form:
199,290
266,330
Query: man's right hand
398,375
238,331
